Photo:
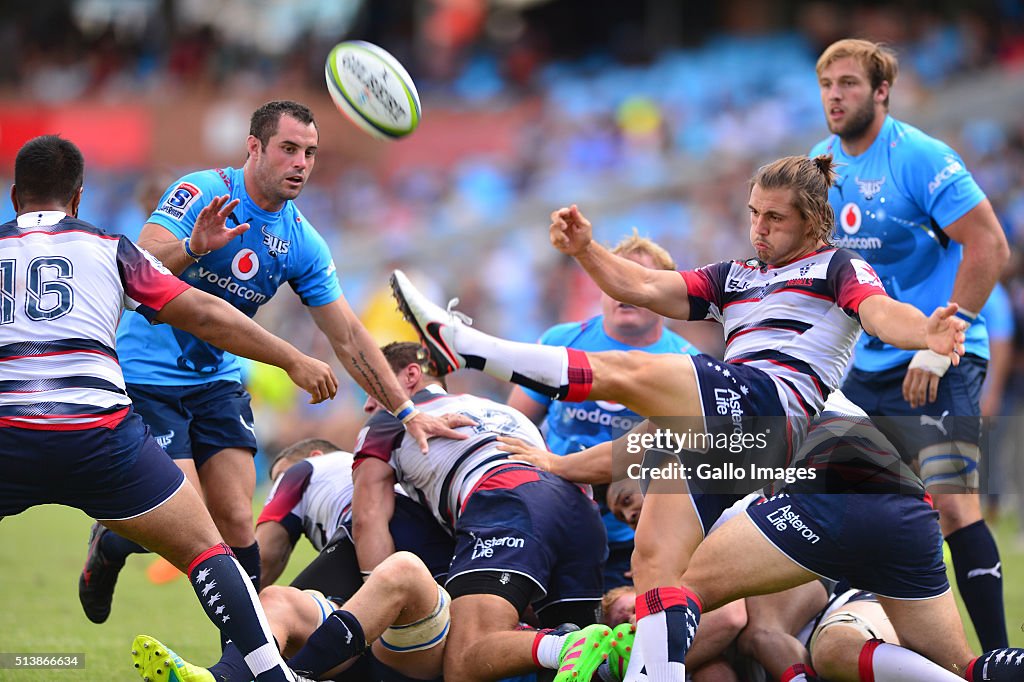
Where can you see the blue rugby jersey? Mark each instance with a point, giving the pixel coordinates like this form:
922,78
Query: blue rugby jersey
891,204
278,247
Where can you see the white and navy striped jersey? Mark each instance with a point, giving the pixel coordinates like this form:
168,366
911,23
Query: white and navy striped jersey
797,322
313,498
63,286
443,479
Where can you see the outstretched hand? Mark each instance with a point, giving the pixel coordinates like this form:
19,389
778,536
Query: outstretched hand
521,450
945,333
210,231
424,426
570,231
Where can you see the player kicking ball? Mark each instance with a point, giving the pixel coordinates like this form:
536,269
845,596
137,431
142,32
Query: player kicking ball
791,317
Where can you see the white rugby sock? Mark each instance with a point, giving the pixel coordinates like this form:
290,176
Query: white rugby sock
547,649
555,371
891,663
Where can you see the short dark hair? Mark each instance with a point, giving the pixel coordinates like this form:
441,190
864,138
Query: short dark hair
401,354
264,121
301,450
48,168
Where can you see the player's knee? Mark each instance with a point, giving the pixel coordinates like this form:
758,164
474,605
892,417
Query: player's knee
835,654
401,572
277,599
837,642
235,525
957,511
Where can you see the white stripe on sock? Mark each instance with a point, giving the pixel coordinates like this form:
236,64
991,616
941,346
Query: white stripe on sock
263,659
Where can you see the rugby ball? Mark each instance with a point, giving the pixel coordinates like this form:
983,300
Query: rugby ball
372,89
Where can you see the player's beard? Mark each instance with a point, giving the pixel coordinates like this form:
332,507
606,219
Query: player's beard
857,122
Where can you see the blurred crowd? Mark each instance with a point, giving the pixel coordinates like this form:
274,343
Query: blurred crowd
662,139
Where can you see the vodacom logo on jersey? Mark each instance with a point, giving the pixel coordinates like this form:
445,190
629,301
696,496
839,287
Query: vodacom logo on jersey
849,218
245,264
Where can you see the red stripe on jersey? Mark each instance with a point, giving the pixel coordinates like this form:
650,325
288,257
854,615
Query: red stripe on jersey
502,479
58,352
49,422
761,329
699,284
51,233
288,493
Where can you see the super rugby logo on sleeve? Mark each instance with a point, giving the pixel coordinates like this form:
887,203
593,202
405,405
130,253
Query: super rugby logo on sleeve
180,198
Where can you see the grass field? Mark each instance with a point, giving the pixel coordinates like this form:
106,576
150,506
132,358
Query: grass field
41,554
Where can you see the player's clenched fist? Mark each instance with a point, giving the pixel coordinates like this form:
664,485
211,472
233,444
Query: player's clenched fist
315,377
570,231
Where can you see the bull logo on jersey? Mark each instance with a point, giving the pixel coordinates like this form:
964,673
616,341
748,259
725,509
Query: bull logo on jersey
849,218
245,264
275,245
869,188
165,439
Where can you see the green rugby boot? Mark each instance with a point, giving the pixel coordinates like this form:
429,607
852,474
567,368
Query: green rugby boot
621,647
583,652
155,662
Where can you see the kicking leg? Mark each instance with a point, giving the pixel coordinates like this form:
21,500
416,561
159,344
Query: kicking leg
650,385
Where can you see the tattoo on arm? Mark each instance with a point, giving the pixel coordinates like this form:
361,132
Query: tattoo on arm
372,380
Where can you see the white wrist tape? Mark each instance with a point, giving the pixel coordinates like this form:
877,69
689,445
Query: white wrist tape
931,361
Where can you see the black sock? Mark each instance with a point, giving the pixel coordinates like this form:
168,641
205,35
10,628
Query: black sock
249,558
979,578
231,666
116,549
337,640
231,604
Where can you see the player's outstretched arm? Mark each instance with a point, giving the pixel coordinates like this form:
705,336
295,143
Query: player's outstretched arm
593,465
209,233
662,291
601,463
904,326
217,322
365,363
